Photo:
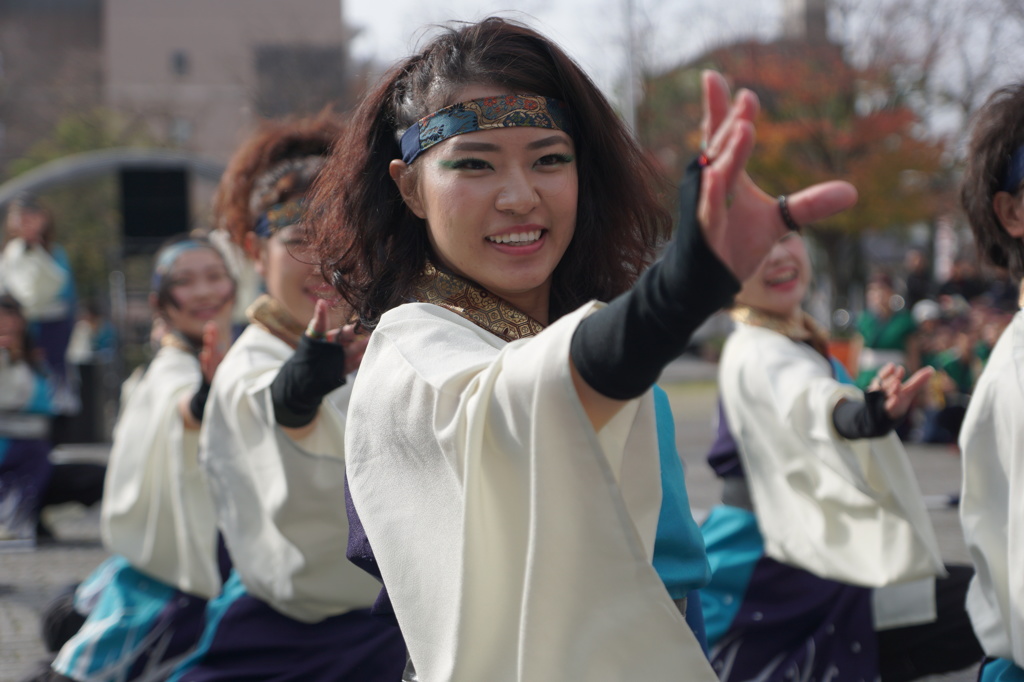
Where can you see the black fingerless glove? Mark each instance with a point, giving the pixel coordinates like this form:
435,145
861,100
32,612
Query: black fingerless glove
198,402
314,370
854,419
621,350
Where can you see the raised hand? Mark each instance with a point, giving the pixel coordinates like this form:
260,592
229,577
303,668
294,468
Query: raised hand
741,222
213,351
899,394
346,336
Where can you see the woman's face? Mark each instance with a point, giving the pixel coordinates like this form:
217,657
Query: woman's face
286,263
781,282
201,290
500,206
12,332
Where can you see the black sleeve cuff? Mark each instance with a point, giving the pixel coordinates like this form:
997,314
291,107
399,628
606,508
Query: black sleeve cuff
854,419
314,370
621,350
198,402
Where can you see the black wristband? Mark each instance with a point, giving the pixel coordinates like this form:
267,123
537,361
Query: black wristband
198,402
314,370
854,419
621,350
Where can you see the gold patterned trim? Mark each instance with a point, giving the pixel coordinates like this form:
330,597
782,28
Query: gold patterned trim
175,340
268,314
474,303
804,328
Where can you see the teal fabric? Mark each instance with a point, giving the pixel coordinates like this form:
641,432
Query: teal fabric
67,293
41,394
215,610
1001,670
842,376
734,545
679,556
120,621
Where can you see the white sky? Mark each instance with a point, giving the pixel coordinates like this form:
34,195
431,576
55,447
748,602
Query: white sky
591,31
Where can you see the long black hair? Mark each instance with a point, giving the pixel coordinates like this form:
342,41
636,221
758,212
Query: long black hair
373,248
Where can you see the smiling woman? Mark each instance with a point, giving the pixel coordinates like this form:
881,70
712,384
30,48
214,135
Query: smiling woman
145,604
823,558
511,463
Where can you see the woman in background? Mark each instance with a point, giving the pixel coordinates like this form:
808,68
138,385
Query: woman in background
29,481
35,270
819,506
293,608
145,604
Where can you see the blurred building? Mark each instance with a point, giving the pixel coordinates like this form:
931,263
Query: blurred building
200,72
197,73
50,63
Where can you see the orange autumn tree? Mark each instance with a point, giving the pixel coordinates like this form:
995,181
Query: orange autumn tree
821,119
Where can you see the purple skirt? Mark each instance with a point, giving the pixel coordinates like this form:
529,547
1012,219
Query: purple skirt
249,640
25,471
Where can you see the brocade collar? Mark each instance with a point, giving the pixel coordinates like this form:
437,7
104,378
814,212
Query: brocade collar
176,340
268,314
474,303
805,329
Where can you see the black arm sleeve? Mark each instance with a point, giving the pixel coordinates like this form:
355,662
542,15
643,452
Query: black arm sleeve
854,419
621,350
198,402
314,370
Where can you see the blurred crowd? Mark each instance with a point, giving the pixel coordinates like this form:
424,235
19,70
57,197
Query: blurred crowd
917,320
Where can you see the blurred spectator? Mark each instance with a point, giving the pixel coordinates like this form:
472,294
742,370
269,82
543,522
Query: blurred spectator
93,339
36,271
918,282
964,280
29,481
886,331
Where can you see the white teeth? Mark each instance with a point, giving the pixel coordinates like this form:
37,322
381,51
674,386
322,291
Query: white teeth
518,238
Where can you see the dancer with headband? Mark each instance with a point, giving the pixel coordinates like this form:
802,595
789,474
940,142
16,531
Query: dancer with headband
992,436
293,607
503,437
146,603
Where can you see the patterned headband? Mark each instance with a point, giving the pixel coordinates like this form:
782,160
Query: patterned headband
1014,172
503,111
169,256
280,216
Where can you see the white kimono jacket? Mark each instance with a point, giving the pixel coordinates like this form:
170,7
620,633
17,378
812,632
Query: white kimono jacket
515,542
992,504
35,278
847,510
280,503
156,510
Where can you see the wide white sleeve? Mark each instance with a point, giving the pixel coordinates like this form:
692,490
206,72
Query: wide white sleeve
17,383
515,542
156,509
849,510
32,276
280,502
992,503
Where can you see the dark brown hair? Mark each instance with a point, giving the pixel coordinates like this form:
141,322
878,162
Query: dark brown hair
273,144
997,131
27,352
372,248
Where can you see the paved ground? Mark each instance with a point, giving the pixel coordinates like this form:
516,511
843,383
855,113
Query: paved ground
29,579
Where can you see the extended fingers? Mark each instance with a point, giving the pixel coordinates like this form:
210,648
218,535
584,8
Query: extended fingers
716,104
918,380
821,201
318,325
